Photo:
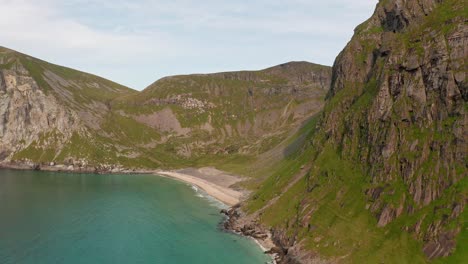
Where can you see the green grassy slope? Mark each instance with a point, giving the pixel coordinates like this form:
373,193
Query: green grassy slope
226,116
329,196
178,121
83,87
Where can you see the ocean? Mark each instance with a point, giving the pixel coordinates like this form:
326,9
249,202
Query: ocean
50,217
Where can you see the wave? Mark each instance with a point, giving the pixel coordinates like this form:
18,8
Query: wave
211,200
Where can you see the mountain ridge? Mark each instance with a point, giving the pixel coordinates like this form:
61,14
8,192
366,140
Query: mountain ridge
110,116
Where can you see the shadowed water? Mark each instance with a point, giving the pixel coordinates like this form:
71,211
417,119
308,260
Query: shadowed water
84,218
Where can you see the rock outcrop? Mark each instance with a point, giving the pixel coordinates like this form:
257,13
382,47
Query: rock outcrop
43,107
401,88
27,113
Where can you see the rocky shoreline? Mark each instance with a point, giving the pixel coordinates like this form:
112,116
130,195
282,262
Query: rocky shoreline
282,248
238,223
100,169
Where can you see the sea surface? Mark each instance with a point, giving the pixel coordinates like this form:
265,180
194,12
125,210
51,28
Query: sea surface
48,217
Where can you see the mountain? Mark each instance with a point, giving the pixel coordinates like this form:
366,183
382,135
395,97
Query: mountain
382,177
43,106
52,114
244,113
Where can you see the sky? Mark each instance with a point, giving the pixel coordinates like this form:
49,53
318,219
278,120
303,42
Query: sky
136,42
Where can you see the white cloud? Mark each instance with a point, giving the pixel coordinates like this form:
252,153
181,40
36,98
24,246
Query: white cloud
134,42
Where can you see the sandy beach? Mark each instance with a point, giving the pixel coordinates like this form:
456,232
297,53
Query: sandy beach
214,182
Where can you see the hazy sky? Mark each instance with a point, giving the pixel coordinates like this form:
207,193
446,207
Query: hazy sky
137,42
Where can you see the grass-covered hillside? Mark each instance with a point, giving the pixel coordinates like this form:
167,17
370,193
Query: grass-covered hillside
382,178
235,113
177,121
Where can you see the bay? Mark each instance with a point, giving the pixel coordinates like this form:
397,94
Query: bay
49,217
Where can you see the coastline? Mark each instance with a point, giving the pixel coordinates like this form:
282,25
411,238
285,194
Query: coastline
214,182
103,169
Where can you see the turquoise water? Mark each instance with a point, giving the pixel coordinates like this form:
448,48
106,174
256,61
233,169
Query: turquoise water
84,218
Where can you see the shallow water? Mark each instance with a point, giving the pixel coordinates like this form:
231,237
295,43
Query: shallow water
50,217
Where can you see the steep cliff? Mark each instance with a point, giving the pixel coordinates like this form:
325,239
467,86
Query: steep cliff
384,175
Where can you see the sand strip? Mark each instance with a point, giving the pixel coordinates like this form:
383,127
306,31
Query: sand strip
226,195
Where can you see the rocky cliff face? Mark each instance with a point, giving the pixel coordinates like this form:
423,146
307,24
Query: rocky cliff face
411,129
395,119
27,113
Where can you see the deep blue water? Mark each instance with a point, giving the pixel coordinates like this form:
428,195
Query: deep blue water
50,217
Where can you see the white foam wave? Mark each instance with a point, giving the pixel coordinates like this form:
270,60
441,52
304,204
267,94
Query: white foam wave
211,200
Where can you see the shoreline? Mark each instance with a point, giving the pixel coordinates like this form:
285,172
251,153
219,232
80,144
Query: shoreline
226,195
107,169
229,197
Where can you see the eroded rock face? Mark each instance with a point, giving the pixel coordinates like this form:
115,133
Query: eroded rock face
402,91
27,113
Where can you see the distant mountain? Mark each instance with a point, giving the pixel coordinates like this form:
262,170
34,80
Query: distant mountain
229,113
55,114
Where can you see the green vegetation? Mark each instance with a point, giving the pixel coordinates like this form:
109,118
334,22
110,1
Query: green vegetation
37,73
446,11
325,209
42,150
248,113
318,195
